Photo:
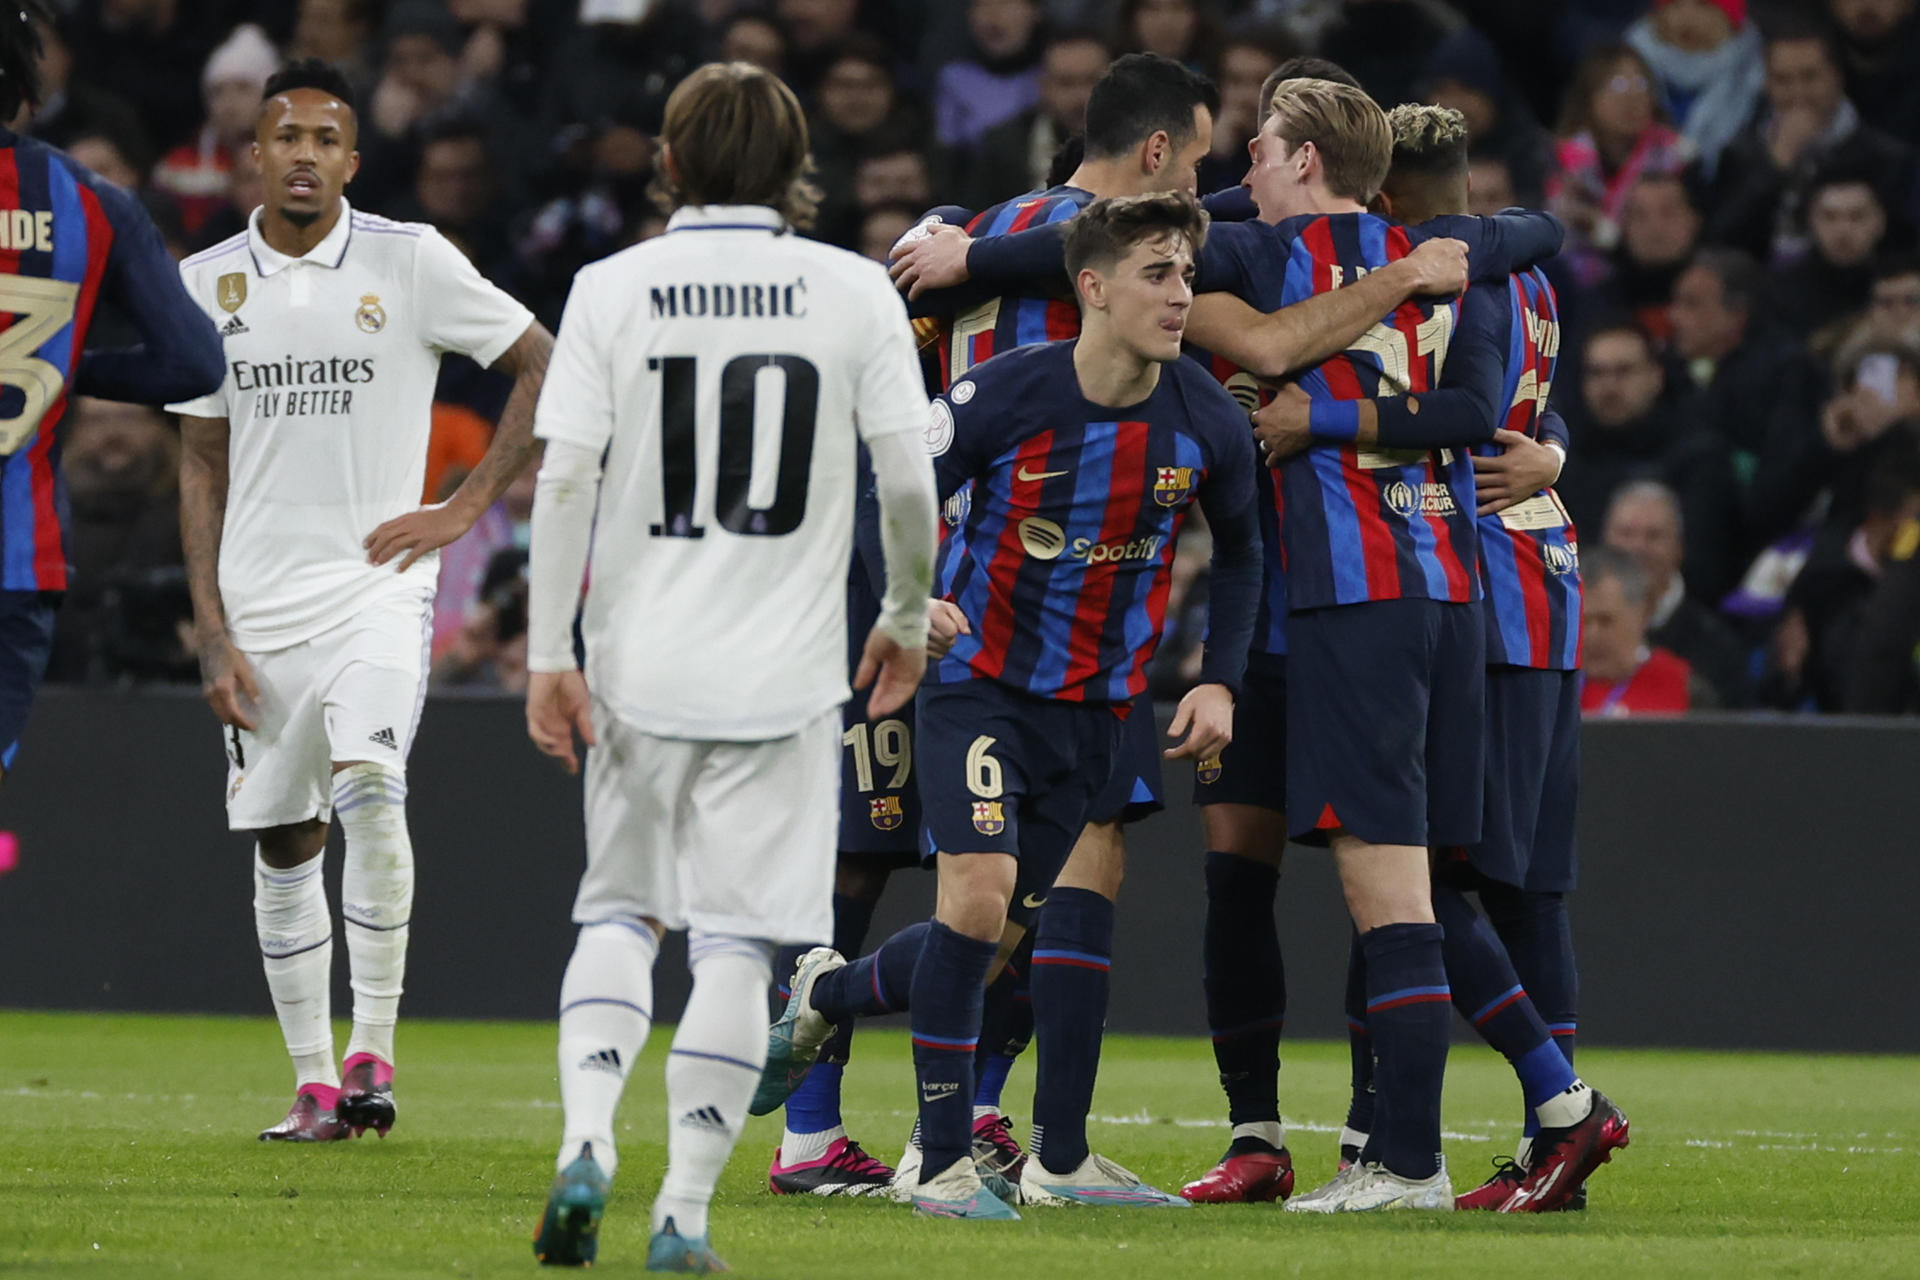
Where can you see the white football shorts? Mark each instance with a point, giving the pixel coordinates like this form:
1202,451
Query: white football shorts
349,694
724,837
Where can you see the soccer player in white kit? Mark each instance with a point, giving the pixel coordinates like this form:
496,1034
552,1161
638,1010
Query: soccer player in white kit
709,392
300,484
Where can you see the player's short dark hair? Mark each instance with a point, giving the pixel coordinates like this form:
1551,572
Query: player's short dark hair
310,73
1742,280
1304,67
1102,233
20,57
737,136
1143,94
1066,159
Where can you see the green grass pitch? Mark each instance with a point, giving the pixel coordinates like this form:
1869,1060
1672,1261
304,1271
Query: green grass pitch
127,1149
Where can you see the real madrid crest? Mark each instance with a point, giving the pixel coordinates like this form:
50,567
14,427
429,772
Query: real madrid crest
231,292
371,317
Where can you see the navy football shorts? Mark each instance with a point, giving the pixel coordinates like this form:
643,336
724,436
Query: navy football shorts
879,803
1253,767
1135,790
1386,715
26,641
1532,779
1006,772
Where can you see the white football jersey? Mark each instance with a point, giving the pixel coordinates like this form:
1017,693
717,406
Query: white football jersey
728,368
331,365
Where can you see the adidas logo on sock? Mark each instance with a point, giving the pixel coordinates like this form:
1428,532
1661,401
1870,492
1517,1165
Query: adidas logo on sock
384,738
602,1060
705,1118
233,327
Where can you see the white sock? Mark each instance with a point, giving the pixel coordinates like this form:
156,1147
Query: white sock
1271,1132
296,947
984,1113
798,1148
1567,1108
376,898
606,1010
712,1071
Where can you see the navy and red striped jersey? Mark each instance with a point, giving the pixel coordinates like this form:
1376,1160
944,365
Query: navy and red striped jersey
1372,524
67,239
1529,554
1060,563
1002,323
1270,622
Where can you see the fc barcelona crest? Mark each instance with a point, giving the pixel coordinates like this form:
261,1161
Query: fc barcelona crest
1171,485
885,812
1208,770
988,818
231,292
371,317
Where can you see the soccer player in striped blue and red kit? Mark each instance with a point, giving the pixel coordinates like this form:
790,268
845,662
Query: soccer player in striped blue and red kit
1492,399
1083,458
1386,677
67,240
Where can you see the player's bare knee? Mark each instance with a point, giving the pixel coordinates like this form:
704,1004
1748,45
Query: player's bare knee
974,892
1245,831
285,847
1098,862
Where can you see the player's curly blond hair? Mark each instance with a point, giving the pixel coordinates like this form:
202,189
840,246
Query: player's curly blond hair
738,136
1428,139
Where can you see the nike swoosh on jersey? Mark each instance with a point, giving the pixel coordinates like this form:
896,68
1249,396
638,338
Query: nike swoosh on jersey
1028,477
1033,901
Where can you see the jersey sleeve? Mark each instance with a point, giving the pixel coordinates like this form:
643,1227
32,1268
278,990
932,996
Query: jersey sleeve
461,310
1500,245
576,400
1553,430
180,358
1234,204
1465,409
891,395
1230,258
1228,497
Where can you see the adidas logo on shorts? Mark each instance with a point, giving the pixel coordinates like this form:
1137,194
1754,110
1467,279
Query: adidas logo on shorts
384,738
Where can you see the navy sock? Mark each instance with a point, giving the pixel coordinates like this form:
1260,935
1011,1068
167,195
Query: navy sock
1005,1028
1072,953
1245,983
873,984
1539,937
1359,1043
948,987
1407,1016
1489,994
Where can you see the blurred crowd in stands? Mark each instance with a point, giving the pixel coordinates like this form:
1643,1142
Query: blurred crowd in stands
1740,296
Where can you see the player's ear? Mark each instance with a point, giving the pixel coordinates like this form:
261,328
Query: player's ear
1382,204
667,163
1158,147
353,167
1092,289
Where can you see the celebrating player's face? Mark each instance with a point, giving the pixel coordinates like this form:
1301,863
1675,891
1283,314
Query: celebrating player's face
305,146
1277,173
1148,294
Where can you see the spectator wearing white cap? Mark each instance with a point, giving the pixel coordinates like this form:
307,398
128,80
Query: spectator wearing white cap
198,174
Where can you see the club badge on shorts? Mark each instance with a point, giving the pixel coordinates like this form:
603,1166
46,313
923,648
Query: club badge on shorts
1171,485
988,818
371,317
231,292
1208,770
885,812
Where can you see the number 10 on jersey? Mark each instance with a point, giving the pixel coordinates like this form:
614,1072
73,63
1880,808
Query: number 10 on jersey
733,484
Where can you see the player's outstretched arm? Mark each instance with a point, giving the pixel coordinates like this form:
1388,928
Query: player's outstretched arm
226,678
1509,241
558,703
513,449
1300,336
896,652
179,357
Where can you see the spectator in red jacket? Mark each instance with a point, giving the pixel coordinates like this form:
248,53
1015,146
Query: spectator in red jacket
1624,675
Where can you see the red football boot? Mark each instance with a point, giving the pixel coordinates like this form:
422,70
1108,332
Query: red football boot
1494,1192
1258,1175
1563,1159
